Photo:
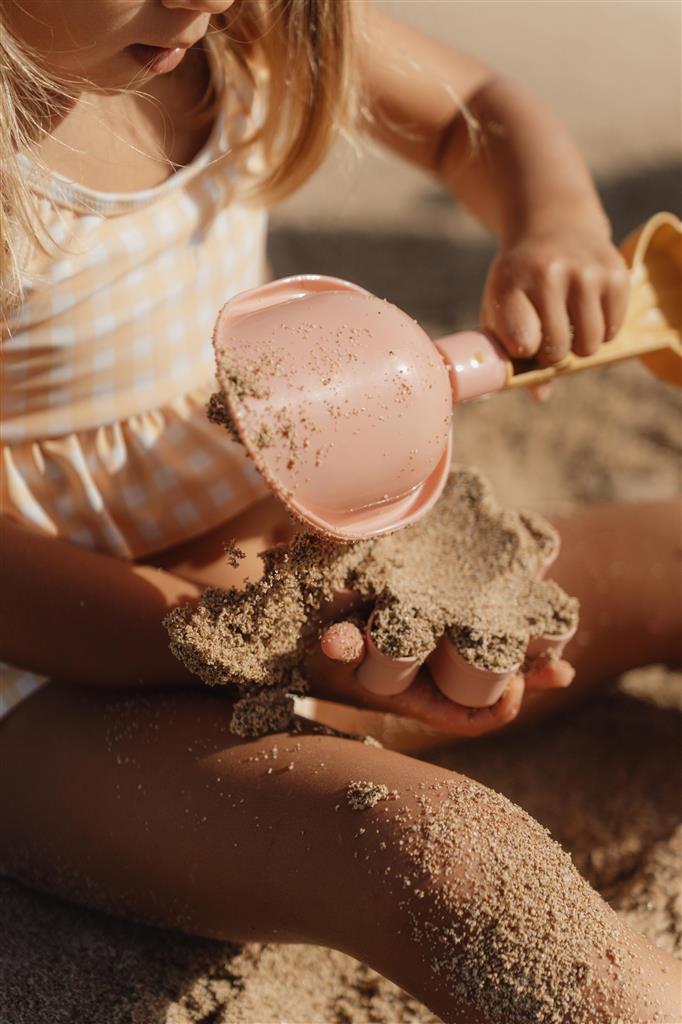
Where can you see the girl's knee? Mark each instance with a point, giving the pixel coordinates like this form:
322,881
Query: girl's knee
494,910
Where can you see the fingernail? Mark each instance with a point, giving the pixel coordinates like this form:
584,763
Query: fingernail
342,642
569,679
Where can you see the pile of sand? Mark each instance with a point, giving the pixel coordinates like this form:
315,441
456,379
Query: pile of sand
468,570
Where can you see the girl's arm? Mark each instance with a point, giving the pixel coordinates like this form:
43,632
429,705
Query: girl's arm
83,617
89,619
557,283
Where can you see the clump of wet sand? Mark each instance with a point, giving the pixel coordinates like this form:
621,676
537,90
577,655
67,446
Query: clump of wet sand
362,794
469,569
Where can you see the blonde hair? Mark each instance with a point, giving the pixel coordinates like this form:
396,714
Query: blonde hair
28,98
298,54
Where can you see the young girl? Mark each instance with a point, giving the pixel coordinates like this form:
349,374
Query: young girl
145,138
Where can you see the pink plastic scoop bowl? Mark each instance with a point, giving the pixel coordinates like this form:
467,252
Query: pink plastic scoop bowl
344,402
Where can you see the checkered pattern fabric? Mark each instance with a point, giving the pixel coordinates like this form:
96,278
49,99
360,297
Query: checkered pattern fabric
107,367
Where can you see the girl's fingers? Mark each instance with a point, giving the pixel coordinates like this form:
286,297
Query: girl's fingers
424,701
547,295
586,315
331,668
544,674
615,300
514,321
343,642
549,300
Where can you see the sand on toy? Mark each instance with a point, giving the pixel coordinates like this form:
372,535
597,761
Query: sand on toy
469,570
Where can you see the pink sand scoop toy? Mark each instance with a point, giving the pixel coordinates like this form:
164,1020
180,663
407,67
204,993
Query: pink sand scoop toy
345,404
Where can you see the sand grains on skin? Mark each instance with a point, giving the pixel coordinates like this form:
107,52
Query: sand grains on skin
362,795
503,920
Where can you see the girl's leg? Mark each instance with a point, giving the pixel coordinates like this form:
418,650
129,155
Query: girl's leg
148,807
623,562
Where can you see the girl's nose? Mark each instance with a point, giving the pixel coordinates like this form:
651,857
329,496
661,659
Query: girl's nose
201,6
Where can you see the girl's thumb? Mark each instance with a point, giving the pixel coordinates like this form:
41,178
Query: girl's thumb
343,642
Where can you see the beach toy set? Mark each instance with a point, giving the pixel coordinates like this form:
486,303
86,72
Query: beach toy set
345,405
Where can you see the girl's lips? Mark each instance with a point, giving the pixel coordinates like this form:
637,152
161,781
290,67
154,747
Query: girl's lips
157,58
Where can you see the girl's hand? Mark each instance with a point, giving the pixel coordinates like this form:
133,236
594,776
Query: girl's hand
556,290
333,678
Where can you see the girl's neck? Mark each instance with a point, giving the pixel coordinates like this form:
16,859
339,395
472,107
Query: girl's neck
125,142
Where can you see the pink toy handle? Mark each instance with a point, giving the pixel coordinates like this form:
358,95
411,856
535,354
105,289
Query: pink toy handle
476,362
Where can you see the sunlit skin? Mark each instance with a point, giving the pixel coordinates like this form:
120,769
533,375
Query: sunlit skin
269,863
139,123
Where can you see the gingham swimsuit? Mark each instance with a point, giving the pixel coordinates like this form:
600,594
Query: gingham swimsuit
107,367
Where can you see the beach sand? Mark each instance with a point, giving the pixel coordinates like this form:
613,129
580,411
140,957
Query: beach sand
612,434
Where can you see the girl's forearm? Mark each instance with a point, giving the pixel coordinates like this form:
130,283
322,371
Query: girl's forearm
494,144
84,617
517,168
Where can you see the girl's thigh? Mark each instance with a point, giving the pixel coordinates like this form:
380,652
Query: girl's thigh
146,805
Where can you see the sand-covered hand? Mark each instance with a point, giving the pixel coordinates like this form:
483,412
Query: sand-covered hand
461,590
